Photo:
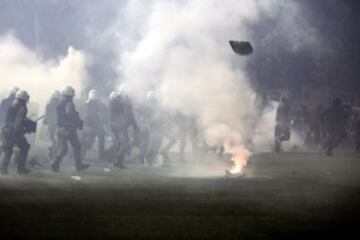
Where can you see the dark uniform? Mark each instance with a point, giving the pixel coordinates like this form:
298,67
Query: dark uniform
357,134
356,119
151,124
282,127
315,125
94,122
301,123
50,119
68,122
14,132
333,119
121,118
5,104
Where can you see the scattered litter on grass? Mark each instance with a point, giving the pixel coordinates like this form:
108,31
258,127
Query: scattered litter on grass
76,178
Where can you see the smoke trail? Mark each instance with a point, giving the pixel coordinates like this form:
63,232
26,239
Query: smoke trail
21,67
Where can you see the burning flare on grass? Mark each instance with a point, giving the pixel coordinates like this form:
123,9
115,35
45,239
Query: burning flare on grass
240,156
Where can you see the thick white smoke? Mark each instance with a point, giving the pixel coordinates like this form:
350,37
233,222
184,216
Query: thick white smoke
184,55
22,67
181,50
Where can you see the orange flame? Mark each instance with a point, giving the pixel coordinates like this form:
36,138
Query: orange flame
240,156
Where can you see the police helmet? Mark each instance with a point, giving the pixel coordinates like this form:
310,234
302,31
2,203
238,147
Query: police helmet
123,90
113,95
68,91
22,95
92,94
14,90
56,94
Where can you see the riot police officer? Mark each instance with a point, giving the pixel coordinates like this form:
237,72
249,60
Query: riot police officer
14,130
68,123
50,120
333,119
151,120
94,124
121,118
282,127
6,103
357,131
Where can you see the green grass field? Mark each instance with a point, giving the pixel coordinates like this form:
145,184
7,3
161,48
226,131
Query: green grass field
286,196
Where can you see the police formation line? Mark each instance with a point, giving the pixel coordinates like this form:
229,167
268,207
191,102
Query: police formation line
147,126
64,124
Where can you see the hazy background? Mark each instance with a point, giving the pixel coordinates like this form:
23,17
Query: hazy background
180,49
50,27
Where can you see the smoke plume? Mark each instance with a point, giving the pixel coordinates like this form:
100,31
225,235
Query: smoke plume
181,51
24,68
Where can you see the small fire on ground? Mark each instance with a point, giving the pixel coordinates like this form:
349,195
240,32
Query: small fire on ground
240,156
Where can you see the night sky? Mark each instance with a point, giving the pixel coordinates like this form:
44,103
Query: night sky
337,22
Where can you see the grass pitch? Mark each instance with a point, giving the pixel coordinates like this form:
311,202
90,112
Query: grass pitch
286,196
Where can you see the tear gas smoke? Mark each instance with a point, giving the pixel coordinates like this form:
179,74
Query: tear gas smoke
182,52
22,67
179,48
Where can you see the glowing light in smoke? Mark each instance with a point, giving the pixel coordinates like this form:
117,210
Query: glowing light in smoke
240,156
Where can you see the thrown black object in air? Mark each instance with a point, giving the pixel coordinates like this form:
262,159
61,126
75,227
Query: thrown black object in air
241,47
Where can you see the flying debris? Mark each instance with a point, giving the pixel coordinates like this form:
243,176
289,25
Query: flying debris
242,47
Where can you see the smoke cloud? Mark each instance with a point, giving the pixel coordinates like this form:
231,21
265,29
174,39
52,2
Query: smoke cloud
181,50
24,68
